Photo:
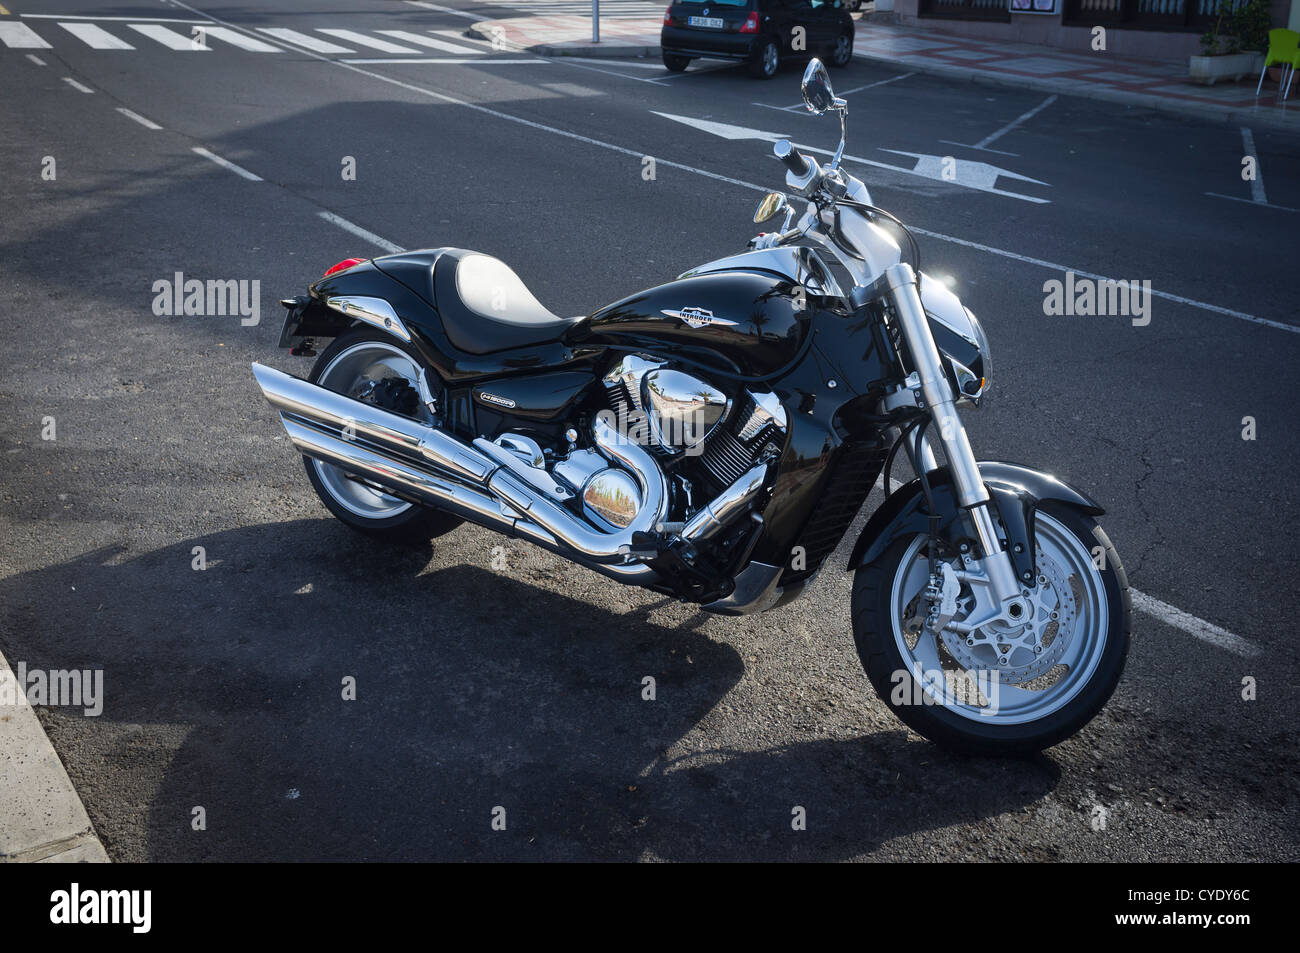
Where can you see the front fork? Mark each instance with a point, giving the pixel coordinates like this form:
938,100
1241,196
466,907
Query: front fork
900,284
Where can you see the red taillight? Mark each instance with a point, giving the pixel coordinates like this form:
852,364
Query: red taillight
344,265
751,23
668,16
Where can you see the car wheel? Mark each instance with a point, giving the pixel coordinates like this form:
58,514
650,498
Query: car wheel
767,59
675,63
842,52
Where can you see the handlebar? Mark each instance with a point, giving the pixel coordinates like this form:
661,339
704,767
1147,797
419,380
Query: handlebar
794,160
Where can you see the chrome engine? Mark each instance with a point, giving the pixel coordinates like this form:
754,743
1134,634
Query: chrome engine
680,415
669,463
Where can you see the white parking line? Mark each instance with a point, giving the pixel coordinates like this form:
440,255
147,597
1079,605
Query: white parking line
36,59
848,92
1196,627
1015,256
1238,198
360,232
147,123
227,164
1015,122
77,86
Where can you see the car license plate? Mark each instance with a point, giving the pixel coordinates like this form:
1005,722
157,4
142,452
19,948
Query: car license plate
713,23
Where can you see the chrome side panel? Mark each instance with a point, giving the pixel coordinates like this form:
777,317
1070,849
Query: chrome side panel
801,265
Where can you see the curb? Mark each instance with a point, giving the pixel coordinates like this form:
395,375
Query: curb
480,31
42,819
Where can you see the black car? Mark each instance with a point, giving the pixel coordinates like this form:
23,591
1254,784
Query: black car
758,32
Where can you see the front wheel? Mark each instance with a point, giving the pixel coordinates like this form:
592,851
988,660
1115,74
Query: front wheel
371,367
767,59
842,51
1002,689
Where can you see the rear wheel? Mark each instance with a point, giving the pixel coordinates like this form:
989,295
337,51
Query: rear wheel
1000,688
767,59
372,367
675,63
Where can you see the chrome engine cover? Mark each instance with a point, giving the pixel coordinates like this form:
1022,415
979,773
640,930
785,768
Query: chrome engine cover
611,499
682,409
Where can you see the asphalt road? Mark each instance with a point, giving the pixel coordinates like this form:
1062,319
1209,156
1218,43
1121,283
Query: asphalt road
521,687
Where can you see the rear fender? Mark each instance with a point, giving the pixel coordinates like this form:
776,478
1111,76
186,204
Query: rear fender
312,316
1016,493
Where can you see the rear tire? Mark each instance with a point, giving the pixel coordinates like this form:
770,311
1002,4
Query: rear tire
767,59
878,631
675,63
358,355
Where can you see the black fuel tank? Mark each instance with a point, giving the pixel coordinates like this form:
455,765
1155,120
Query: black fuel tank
744,321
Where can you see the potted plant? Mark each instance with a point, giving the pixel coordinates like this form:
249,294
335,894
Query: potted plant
1234,46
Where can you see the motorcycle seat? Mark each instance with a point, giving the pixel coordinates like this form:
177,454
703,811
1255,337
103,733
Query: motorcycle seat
485,307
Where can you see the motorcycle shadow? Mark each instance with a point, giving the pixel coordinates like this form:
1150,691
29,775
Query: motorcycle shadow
481,699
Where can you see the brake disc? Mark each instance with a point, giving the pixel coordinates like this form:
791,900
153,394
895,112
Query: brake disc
1022,651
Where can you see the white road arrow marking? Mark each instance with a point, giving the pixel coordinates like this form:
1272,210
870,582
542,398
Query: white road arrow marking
725,130
979,176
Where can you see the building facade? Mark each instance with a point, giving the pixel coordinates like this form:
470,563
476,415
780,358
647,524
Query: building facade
1154,29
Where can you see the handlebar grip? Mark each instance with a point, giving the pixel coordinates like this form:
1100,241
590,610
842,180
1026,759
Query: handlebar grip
794,159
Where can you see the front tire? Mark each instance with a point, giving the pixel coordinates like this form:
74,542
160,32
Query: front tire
351,365
1044,691
841,53
766,60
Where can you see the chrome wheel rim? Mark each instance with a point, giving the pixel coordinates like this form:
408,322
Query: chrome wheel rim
348,373
843,50
769,58
1068,594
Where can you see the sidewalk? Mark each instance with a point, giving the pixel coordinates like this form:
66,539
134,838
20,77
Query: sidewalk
1143,84
42,819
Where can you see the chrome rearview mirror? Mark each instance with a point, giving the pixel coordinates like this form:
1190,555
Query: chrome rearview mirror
773,203
820,98
818,95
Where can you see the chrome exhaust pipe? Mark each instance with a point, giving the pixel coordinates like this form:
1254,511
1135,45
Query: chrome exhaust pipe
433,466
430,489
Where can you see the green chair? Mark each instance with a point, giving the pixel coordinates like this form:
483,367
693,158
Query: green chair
1283,48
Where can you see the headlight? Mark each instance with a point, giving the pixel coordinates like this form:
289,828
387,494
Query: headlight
986,358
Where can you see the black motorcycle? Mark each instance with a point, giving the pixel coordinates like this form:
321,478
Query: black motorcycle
714,437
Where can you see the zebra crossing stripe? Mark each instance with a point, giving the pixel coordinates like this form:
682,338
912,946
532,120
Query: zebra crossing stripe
431,42
235,38
169,38
360,39
305,41
461,38
19,36
97,38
